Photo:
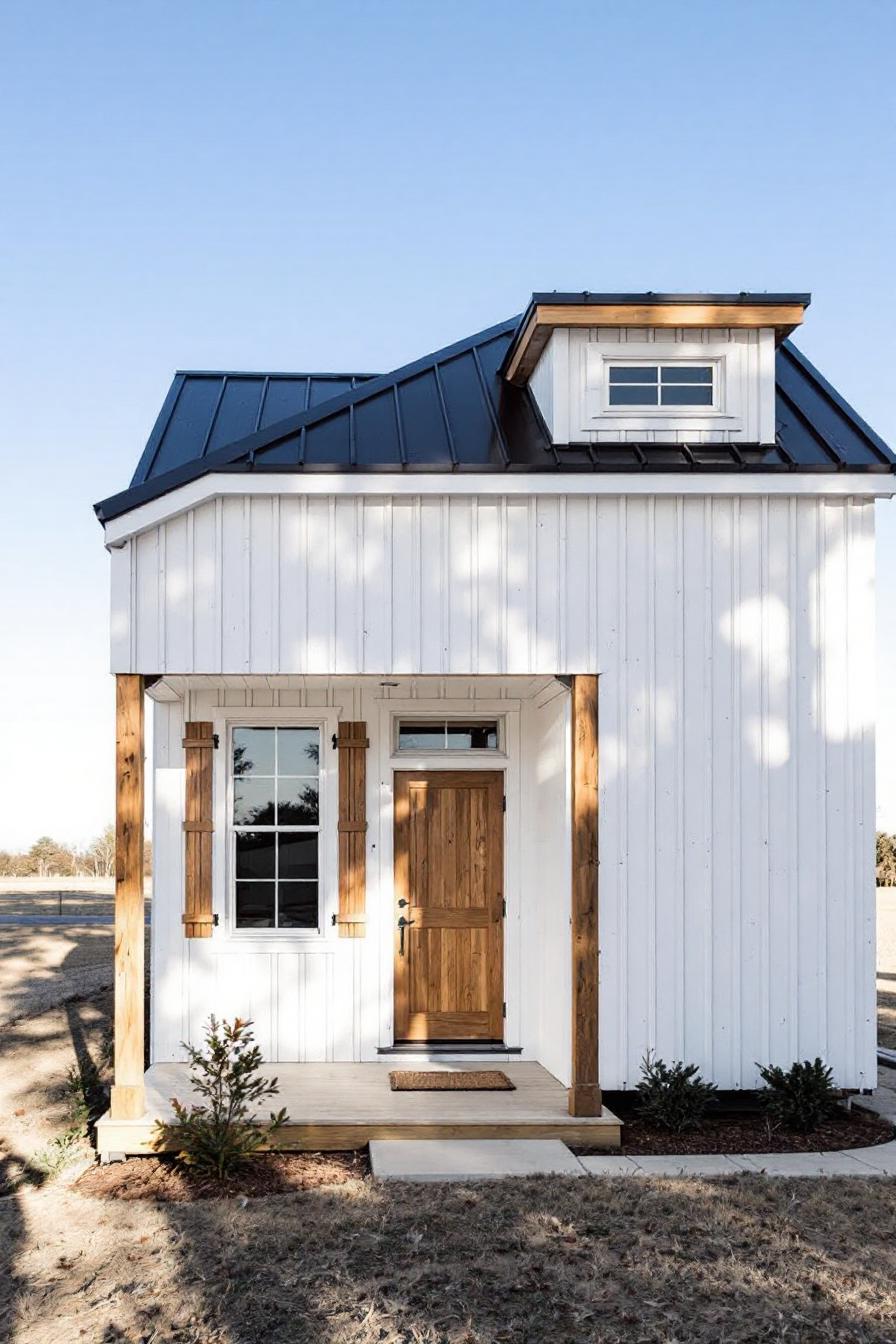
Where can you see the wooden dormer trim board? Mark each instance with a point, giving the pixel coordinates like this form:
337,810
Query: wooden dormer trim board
544,317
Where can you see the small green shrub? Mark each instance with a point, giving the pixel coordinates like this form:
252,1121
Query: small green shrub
57,1154
674,1096
800,1097
218,1136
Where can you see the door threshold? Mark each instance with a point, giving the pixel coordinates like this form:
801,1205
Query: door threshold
449,1048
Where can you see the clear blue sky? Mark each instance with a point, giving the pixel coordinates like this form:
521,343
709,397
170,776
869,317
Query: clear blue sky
348,185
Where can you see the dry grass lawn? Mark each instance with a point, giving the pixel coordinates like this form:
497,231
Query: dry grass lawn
541,1261
886,967
529,1261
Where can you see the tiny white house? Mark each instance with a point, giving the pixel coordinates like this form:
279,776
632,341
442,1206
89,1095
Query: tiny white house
516,704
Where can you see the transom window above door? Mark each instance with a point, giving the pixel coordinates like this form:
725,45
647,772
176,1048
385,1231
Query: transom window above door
656,385
423,735
275,824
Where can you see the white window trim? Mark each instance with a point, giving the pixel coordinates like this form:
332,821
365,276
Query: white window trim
447,754
327,722
714,411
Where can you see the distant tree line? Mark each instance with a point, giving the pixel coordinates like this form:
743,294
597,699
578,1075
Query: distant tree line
886,859
52,858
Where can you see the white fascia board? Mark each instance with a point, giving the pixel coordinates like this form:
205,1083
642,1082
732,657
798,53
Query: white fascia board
836,485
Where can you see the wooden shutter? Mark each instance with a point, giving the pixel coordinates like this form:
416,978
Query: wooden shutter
199,745
352,743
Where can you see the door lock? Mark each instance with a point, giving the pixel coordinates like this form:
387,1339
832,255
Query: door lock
402,925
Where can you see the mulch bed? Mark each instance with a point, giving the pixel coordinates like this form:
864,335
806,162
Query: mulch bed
750,1132
164,1180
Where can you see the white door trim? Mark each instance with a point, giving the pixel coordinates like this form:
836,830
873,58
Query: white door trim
508,761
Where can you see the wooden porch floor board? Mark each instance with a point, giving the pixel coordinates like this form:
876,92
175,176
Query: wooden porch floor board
345,1105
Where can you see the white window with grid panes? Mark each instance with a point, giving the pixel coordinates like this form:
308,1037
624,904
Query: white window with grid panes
274,800
660,385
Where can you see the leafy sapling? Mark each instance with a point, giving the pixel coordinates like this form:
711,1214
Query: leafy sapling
218,1135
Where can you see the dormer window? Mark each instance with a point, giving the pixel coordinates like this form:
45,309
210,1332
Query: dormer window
653,385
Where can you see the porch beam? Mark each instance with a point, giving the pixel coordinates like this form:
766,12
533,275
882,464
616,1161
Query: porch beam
128,1098
584,1092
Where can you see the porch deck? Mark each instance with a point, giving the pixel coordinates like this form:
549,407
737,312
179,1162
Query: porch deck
340,1106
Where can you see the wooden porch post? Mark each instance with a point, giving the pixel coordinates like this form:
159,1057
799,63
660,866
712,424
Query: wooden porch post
584,1094
128,1101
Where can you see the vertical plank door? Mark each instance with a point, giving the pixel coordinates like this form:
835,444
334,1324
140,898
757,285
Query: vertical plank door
449,873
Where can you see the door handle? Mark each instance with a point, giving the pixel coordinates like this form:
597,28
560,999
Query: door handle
402,925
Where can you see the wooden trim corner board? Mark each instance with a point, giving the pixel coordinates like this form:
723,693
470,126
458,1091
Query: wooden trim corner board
128,1100
584,1092
199,745
352,743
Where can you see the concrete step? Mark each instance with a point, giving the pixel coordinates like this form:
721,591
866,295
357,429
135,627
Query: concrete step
470,1159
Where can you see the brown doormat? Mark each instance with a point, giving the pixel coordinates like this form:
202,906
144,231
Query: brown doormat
469,1080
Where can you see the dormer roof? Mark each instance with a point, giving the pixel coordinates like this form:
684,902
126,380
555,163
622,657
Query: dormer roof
455,410
549,310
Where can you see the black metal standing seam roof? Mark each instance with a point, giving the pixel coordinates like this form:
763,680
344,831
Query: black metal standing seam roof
210,410
453,411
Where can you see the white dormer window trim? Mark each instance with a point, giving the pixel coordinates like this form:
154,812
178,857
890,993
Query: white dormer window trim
663,410
743,386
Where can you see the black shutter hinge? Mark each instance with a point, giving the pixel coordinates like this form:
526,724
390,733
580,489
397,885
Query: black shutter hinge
504,1008
504,803
333,740
504,906
217,742
215,920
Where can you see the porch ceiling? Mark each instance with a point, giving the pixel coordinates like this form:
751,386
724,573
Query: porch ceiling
171,688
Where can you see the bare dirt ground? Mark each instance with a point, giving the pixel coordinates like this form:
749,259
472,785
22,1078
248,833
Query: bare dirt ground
37,1056
44,965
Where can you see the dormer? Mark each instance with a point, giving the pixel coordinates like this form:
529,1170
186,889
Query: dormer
654,368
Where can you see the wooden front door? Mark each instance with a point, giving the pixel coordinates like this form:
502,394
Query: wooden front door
449,874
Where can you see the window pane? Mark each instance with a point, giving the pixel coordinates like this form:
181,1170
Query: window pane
297,802
297,855
298,751
688,374
297,905
687,396
472,736
253,751
255,854
253,802
255,905
631,373
633,396
421,736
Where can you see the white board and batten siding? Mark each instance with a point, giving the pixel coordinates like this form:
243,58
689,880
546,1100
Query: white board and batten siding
734,640
569,384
